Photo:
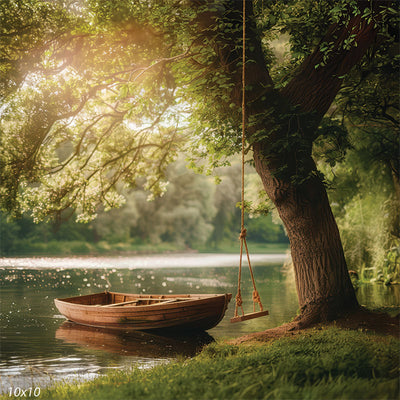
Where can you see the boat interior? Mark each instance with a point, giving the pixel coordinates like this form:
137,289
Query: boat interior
112,299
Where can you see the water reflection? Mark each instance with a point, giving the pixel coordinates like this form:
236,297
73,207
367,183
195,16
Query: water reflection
380,296
128,343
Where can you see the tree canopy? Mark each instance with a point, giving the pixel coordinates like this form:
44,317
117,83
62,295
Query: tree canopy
98,94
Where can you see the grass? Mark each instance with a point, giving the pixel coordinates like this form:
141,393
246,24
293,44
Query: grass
329,363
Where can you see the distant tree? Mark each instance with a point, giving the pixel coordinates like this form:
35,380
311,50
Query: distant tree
227,194
126,84
262,224
9,231
182,215
116,225
262,229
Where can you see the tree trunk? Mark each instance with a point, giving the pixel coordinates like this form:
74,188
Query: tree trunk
323,284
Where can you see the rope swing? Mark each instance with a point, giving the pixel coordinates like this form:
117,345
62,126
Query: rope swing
243,231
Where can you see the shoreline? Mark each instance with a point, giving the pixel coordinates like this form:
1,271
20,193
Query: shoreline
164,260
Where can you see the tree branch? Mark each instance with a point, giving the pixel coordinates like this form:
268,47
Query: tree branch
318,81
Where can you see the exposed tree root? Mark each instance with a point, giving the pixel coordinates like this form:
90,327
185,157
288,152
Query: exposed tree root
360,319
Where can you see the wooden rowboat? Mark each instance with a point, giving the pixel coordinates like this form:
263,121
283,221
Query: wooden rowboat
143,312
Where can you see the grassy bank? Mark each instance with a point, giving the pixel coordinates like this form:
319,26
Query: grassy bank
318,364
27,248
254,248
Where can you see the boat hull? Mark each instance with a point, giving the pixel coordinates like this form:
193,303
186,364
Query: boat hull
140,312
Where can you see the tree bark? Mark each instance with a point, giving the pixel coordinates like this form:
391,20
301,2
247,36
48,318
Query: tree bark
323,284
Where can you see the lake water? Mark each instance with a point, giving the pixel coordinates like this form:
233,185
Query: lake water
37,345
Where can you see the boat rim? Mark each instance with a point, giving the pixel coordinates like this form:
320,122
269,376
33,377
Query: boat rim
201,297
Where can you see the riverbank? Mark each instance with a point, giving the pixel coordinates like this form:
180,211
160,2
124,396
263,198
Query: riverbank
328,363
78,248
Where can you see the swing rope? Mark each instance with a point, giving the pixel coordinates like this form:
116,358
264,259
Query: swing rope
243,231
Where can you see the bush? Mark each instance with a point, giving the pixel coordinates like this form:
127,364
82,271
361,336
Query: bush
80,248
368,244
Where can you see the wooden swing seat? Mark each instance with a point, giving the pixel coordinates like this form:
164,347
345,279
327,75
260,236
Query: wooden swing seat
252,315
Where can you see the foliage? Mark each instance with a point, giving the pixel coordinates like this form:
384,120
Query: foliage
26,30
22,236
104,120
183,215
263,230
328,363
358,149
193,213
97,95
366,209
